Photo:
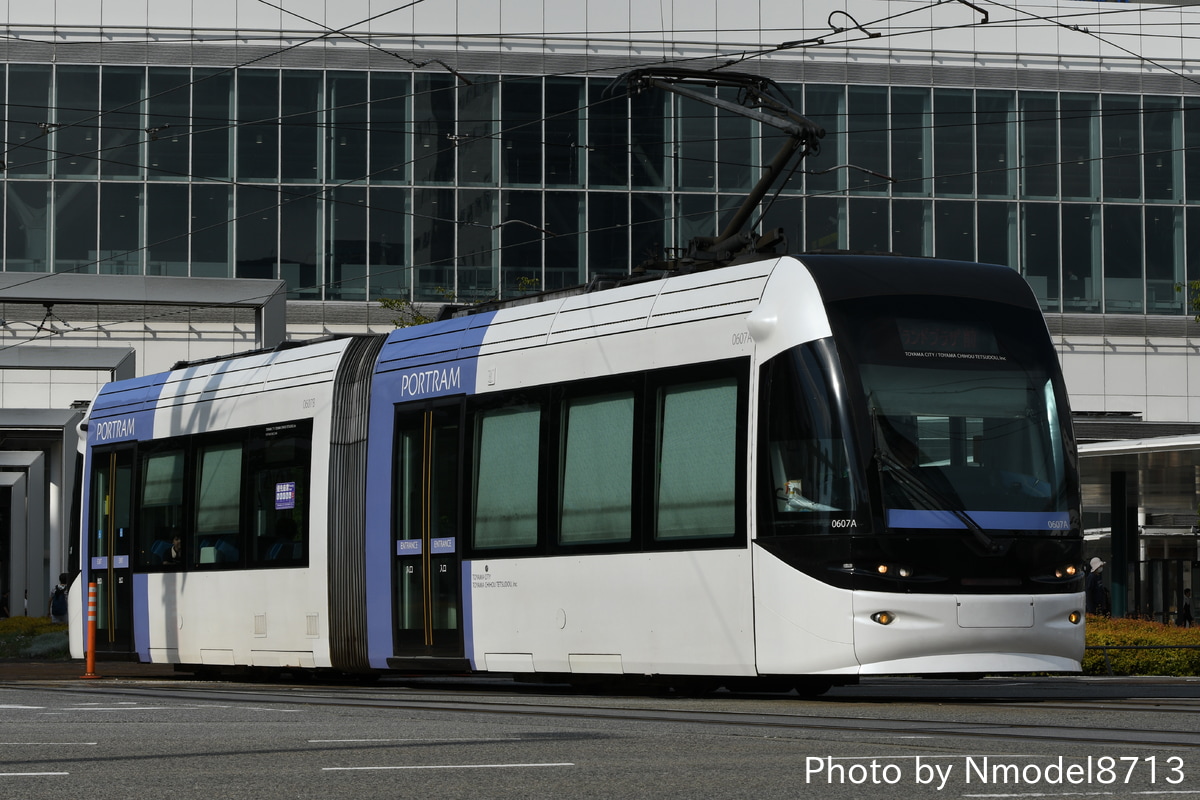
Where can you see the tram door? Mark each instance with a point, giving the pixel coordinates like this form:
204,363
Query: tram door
426,524
110,541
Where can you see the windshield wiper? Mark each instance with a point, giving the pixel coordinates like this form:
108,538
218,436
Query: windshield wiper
927,494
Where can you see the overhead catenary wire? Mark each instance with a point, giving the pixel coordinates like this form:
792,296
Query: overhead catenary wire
328,188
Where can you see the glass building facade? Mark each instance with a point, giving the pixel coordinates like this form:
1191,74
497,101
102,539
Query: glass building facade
359,185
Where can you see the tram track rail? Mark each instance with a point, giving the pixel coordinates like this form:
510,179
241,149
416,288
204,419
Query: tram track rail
801,720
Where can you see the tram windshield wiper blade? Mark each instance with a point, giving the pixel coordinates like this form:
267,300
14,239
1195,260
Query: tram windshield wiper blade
927,494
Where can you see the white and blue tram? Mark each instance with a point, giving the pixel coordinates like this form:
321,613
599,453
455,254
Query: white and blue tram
803,468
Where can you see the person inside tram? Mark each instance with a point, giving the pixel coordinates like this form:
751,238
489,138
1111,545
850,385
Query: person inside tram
174,556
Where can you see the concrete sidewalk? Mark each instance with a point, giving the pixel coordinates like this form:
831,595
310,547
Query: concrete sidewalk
26,670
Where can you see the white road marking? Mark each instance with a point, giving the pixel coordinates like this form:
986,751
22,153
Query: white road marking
367,741
449,766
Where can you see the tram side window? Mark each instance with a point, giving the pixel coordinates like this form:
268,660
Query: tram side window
597,470
160,510
279,465
696,489
218,504
808,467
504,511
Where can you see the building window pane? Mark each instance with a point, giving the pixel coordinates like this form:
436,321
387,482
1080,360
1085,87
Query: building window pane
650,232
826,107
1080,126
564,131
1191,155
608,136
824,223
608,233
869,225
212,98
953,142
258,125
476,145
387,225
434,224
76,141
1039,145
1123,274
995,142
346,243
301,133
167,224
477,262
389,130
1081,257
1193,248
75,209
28,150
649,121
1163,137
597,470
737,148
1040,252
433,128
912,233
27,234
696,461
696,146
121,237
566,219
257,232
346,115
1164,259
521,242
954,230
997,234
1121,126
121,124
168,126
212,230
867,137
300,264
911,156
506,477
521,131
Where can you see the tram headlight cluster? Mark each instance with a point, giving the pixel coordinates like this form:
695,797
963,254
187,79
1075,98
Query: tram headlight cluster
1069,571
883,617
892,569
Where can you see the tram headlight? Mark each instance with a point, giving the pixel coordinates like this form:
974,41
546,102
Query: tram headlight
883,617
1075,617
1069,571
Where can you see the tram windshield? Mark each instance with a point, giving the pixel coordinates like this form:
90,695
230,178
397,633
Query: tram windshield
965,416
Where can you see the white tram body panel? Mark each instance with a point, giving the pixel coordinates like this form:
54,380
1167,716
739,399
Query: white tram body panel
738,609
637,614
272,617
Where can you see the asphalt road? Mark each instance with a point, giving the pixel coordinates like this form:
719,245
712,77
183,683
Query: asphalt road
161,735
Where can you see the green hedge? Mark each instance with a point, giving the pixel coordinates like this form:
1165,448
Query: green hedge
32,637
1102,631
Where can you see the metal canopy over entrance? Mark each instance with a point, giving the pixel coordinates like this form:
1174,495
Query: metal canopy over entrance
268,298
1146,490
